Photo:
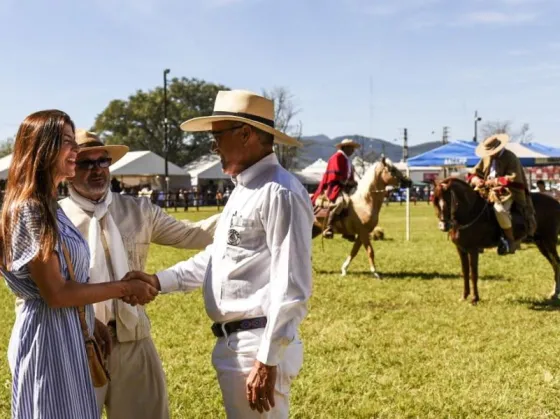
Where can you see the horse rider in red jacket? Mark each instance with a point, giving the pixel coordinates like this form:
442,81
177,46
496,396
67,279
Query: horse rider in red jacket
337,181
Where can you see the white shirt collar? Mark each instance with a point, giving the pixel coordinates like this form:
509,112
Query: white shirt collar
253,171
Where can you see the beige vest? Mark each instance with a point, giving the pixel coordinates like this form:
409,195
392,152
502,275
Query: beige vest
141,223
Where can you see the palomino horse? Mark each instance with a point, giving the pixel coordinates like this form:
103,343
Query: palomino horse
362,213
472,225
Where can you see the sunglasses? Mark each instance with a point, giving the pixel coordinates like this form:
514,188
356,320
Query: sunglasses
102,163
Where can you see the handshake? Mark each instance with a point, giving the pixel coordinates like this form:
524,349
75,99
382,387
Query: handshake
140,288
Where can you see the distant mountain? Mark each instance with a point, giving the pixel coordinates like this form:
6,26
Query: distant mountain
322,147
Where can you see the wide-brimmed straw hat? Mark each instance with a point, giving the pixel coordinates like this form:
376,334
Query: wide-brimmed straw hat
347,142
89,141
242,106
492,145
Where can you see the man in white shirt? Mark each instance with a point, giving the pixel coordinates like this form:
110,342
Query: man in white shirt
119,230
256,275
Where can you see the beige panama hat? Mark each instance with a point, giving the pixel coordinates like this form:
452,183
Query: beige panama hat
347,142
90,141
242,106
492,145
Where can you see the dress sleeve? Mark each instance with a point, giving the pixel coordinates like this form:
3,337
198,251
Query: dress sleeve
26,234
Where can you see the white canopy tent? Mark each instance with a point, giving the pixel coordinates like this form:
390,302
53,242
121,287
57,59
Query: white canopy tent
138,167
5,163
311,175
207,167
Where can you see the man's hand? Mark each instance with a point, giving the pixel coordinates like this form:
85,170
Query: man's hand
142,276
103,337
260,387
492,183
478,182
139,288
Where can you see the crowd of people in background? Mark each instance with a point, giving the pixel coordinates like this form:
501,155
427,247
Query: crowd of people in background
212,195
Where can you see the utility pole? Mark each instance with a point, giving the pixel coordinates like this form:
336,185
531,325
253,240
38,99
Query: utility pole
405,159
445,136
405,146
476,119
165,140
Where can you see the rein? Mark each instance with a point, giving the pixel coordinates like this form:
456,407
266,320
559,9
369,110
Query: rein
470,224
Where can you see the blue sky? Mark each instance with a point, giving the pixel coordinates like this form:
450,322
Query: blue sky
431,63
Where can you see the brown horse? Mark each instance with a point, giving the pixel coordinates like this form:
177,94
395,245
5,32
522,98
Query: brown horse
362,214
472,226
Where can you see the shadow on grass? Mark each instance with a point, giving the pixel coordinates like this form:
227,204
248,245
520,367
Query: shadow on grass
425,276
540,304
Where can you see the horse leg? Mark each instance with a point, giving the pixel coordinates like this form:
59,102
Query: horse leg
473,262
353,253
371,255
465,268
548,250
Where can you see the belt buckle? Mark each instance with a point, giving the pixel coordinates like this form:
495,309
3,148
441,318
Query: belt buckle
223,327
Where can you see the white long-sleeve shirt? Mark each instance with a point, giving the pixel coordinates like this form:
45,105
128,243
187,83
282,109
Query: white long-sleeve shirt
260,260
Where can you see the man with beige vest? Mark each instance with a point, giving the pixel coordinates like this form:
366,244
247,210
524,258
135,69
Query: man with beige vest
119,230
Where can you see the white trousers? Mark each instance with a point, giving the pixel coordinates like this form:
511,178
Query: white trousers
503,213
233,358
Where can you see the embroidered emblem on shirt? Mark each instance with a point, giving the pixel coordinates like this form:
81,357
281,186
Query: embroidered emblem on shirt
234,238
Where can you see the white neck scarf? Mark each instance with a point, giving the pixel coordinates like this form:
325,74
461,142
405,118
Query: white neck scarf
98,271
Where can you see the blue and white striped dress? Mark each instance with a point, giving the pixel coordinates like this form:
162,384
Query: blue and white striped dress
50,373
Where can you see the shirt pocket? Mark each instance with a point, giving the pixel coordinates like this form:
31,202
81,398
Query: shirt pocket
245,238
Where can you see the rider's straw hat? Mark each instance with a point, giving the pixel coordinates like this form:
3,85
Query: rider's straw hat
242,106
347,142
492,145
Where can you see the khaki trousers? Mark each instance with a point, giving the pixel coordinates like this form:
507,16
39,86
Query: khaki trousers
340,203
137,389
503,214
233,358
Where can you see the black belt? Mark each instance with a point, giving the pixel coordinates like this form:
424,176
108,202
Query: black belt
237,326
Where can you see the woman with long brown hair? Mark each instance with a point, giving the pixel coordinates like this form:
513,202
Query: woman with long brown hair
47,355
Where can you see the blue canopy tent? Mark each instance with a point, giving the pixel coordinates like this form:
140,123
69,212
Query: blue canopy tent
456,153
462,153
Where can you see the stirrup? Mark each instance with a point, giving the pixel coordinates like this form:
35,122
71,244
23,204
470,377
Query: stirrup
505,248
328,234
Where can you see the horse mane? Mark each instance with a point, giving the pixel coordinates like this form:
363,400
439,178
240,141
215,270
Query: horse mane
364,184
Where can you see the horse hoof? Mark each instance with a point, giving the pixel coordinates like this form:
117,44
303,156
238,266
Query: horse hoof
474,301
375,275
343,273
553,296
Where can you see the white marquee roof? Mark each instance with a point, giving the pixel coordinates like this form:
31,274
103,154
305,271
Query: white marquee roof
144,163
206,167
5,163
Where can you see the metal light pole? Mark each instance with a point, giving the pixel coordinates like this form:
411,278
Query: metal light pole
476,119
165,141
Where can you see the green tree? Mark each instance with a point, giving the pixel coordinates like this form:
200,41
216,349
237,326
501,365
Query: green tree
139,123
6,147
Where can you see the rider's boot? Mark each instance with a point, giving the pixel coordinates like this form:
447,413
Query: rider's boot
508,245
328,232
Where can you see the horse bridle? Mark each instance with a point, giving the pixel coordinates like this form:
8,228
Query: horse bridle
453,223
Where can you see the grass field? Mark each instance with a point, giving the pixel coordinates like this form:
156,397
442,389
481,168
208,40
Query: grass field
400,347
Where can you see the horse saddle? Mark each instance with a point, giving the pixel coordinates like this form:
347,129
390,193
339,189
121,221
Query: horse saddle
322,212
521,222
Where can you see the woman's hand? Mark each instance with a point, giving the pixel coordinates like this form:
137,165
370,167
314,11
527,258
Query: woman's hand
139,292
